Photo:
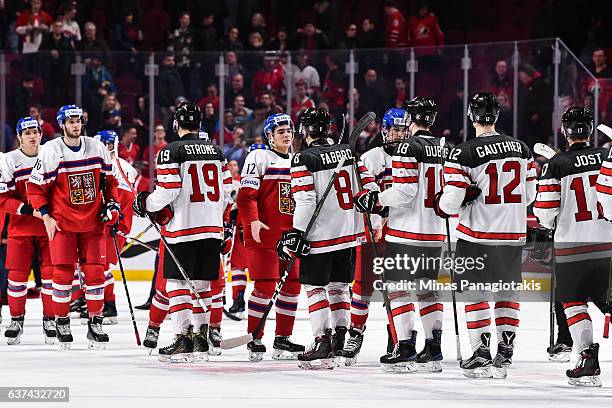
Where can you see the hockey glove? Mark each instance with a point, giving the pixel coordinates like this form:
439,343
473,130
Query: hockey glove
436,206
471,193
140,204
110,213
26,210
163,216
365,201
228,236
292,242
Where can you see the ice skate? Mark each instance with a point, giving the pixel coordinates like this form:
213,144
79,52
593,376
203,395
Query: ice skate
403,357
14,331
338,339
49,330
97,338
214,341
77,306
256,350
352,347
179,351
559,353
110,313
200,344
285,349
151,338
64,335
587,371
479,365
430,358
236,312
320,355
503,358
84,316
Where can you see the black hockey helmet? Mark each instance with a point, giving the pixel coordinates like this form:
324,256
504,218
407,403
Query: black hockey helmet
187,116
422,110
315,122
483,108
577,121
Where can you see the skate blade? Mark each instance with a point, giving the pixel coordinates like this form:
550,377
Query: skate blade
400,368
430,367
323,364
199,357
96,345
110,320
285,355
64,346
338,361
255,357
587,381
482,372
83,321
151,350
234,316
13,341
499,373
562,357
214,351
180,358
350,361
49,340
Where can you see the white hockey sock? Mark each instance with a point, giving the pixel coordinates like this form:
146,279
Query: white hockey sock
198,314
179,299
402,310
318,309
506,312
580,324
478,319
339,303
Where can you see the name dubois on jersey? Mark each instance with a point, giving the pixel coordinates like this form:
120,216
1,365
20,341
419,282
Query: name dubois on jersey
334,157
498,148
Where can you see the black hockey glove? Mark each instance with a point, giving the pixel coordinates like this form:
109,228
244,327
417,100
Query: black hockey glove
436,206
110,214
471,193
292,242
228,237
366,200
540,242
140,204
26,210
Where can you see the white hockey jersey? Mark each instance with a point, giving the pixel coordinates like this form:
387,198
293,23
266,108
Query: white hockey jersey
192,176
128,171
604,186
417,177
378,163
504,170
567,203
338,225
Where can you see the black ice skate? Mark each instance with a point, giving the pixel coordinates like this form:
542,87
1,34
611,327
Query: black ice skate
403,357
479,365
97,338
338,339
200,344
390,342
430,358
49,330
151,338
320,355
178,352
503,358
352,347
214,341
14,331
559,353
256,350
236,312
110,313
77,306
84,316
64,335
587,371
285,349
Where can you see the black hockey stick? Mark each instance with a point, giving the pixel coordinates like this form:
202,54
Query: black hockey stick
127,292
551,306
452,269
242,340
606,330
136,240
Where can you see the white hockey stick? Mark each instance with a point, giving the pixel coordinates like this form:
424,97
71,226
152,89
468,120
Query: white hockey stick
606,130
544,150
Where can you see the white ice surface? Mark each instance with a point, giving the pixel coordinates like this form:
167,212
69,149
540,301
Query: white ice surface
125,375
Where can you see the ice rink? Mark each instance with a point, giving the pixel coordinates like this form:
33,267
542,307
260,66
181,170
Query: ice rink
125,375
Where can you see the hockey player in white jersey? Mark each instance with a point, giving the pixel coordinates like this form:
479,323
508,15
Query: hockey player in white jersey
604,187
500,171
414,230
567,203
327,254
192,178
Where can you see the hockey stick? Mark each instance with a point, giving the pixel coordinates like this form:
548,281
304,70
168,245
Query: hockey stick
544,150
242,340
136,238
551,306
144,244
606,130
127,292
452,269
606,330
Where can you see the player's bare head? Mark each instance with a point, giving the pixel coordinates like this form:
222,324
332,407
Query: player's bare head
278,128
483,109
314,123
70,119
577,123
29,132
422,112
394,127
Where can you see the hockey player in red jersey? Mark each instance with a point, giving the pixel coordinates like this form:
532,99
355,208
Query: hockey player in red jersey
567,203
327,254
500,171
73,187
238,256
413,230
26,232
193,178
266,208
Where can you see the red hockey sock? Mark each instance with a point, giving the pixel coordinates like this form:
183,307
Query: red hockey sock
286,307
216,306
94,288
159,308
239,281
258,301
46,274
62,286
109,286
17,291
360,307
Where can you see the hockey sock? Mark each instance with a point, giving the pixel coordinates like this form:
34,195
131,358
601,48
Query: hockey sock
62,286
109,286
318,309
360,307
94,288
402,310
259,299
77,291
580,324
478,319
46,293
17,290
286,307
432,315
339,304
239,281
198,314
216,306
506,317
159,308
179,299
563,332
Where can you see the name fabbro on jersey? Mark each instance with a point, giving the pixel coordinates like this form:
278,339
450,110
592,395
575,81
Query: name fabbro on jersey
335,156
498,148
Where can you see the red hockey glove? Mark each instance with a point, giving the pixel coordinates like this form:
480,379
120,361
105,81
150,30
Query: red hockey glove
110,213
436,206
228,237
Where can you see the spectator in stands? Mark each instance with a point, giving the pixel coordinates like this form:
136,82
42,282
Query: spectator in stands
48,131
504,121
258,25
128,149
400,93
159,142
229,127
9,144
501,81
31,25
234,67
212,96
141,113
310,38
92,42
169,86
242,114
210,122
236,150
373,94
454,118
326,16
125,33
334,85
271,78
181,42
600,68
118,9
269,100
307,73
232,41
22,97
424,30
142,182
56,63
301,101
369,36
281,41
110,115
238,87
589,101
66,15
535,100
395,32
254,127
96,76
253,59
207,37
348,40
